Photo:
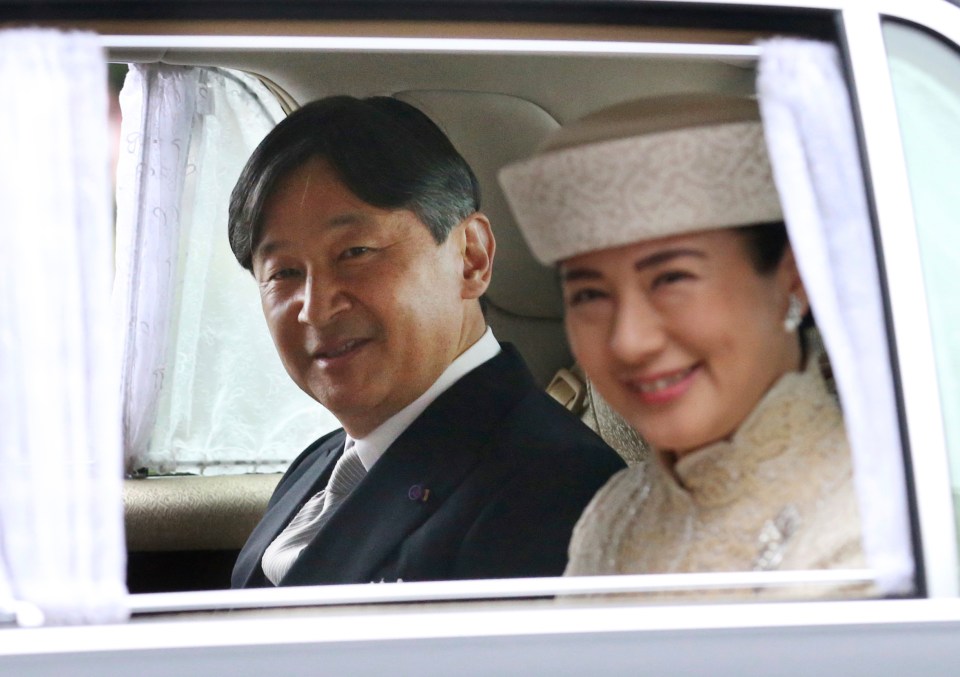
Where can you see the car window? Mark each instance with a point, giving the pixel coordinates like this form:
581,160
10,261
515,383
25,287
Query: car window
528,108
206,407
925,71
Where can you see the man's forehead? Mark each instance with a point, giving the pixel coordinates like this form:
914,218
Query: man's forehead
310,194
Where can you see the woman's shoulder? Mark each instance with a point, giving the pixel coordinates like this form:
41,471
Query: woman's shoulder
822,488
599,531
831,535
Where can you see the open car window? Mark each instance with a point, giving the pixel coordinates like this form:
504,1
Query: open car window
526,80
527,110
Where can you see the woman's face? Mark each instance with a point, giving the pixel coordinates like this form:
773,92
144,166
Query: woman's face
681,335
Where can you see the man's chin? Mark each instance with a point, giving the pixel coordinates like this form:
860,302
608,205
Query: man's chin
353,411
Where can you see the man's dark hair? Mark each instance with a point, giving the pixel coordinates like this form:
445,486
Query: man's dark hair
386,152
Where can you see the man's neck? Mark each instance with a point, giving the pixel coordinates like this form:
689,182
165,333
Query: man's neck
379,438
472,329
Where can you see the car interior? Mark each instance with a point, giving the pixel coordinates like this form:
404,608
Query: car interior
184,532
496,89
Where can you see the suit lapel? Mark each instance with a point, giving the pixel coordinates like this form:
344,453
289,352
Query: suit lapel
435,454
313,478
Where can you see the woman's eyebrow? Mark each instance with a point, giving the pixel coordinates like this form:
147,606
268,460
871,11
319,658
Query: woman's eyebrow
665,256
574,274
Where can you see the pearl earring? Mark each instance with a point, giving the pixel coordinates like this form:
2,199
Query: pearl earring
794,315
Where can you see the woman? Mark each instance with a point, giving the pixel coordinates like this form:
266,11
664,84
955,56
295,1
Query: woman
684,306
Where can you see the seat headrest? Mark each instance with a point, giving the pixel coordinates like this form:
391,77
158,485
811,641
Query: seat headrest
491,131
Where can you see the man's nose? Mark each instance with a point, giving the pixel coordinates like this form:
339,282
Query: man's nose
637,332
323,298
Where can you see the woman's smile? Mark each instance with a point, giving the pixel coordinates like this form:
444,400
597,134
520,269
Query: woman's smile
664,387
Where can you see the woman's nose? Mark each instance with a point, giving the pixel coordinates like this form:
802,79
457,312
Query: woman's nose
637,332
322,300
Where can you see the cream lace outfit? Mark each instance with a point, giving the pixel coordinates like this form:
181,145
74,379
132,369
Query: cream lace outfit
778,495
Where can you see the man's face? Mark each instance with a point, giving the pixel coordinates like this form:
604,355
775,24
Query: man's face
365,308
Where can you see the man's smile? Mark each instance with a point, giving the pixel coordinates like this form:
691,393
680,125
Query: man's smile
336,349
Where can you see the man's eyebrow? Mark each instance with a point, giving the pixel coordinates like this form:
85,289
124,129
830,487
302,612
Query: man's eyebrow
349,219
267,246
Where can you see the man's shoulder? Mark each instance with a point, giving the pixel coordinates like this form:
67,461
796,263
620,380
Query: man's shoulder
539,415
541,433
530,417
316,451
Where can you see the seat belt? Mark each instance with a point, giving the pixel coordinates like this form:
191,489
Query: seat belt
569,388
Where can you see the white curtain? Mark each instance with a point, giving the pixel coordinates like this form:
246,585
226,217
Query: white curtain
158,104
206,390
813,150
61,517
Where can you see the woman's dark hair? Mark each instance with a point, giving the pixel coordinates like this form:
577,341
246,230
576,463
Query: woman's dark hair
766,244
386,152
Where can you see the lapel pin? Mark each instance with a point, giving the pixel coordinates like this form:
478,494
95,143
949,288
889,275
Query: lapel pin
418,493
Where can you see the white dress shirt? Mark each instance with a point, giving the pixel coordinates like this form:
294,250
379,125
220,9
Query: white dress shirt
372,447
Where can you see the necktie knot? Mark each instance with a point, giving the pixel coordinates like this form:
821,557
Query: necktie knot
346,475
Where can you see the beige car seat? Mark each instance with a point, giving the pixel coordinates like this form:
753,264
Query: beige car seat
524,303
571,388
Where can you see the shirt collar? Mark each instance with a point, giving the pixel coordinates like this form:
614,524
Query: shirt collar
372,447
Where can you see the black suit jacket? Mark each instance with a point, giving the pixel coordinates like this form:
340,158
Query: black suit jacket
487,482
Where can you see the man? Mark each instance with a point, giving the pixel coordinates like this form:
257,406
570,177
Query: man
359,221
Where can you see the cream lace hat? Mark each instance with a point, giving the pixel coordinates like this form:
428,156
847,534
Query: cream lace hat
643,170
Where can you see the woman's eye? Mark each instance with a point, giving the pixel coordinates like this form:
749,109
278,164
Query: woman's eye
585,295
670,277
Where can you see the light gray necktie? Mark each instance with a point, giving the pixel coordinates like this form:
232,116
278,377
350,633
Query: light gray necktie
285,549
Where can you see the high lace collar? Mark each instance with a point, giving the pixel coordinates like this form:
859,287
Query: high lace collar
798,405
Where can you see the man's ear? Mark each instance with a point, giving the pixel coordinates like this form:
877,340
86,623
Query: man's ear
478,249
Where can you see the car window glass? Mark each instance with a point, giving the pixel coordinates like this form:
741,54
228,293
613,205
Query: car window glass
926,80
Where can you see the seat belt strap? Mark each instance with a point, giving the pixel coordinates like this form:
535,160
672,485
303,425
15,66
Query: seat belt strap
569,388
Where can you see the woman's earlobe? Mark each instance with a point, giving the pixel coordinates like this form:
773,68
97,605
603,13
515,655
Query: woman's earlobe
795,312
794,282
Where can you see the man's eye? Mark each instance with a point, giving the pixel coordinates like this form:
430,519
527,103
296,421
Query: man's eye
581,296
283,274
354,252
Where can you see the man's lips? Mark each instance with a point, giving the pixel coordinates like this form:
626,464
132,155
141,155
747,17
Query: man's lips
332,351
